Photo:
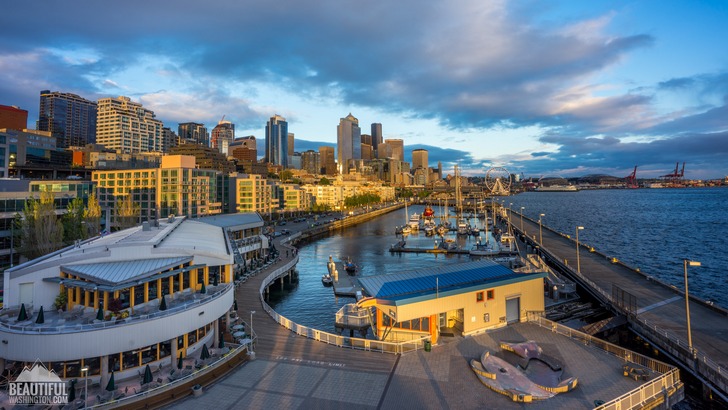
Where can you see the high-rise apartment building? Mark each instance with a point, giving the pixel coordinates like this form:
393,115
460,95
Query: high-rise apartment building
311,161
328,163
419,159
376,135
127,127
193,133
276,141
397,146
291,148
68,117
222,135
13,118
169,139
348,142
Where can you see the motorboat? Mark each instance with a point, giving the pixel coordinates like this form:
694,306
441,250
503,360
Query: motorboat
508,242
484,249
463,227
414,221
349,266
475,231
327,280
429,230
449,245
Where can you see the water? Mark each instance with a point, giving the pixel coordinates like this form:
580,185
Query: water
653,229
649,229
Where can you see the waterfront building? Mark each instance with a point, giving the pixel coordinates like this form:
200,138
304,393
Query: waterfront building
14,193
13,118
222,135
69,118
177,187
348,142
127,127
328,162
193,133
276,141
103,298
291,197
326,195
397,148
466,298
376,136
253,193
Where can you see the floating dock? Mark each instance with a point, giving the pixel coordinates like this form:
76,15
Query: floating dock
344,284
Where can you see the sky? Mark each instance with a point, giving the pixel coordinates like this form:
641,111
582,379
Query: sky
565,88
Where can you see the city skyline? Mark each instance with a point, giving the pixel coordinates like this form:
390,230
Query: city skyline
563,88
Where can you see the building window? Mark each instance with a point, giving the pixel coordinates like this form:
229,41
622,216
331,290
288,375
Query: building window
479,297
491,294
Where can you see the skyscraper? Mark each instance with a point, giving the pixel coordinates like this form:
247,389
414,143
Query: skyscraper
419,159
376,135
348,142
276,141
127,127
69,118
244,148
328,164
194,133
397,146
222,135
311,161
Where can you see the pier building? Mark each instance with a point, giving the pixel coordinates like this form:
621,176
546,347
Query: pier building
147,295
465,298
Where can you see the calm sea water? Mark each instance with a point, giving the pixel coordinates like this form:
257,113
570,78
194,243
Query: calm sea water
653,229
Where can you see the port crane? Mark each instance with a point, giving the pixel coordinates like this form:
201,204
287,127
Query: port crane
631,179
675,177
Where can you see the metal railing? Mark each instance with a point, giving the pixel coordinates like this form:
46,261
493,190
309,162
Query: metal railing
330,338
668,381
79,327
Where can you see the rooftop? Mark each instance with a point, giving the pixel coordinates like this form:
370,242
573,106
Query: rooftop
441,280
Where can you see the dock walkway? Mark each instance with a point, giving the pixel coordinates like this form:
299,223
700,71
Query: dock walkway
654,309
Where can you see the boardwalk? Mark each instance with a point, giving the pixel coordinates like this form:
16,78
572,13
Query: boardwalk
656,306
291,371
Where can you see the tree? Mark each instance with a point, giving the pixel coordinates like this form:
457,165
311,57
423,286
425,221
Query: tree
41,232
285,175
92,216
324,181
73,224
127,213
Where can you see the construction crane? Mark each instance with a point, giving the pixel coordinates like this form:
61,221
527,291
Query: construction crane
675,178
631,179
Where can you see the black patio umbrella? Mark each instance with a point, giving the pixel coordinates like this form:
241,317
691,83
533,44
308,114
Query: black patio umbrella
205,353
215,280
40,319
222,342
23,315
100,313
202,289
163,303
235,305
180,362
111,385
147,375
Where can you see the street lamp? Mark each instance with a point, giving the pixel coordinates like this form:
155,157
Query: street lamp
686,263
522,208
540,232
252,337
84,370
510,213
578,264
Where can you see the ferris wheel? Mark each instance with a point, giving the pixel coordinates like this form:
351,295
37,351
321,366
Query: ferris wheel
498,181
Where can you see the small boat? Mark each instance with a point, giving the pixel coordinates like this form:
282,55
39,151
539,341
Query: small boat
406,230
484,249
428,214
442,230
349,266
429,230
327,280
414,221
449,245
475,231
508,242
463,227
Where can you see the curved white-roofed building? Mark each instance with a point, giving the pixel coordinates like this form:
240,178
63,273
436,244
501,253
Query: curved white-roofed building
144,295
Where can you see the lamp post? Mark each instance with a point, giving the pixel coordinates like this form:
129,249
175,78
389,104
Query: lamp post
510,212
540,232
686,263
578,263
84,370
252,337
522,208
